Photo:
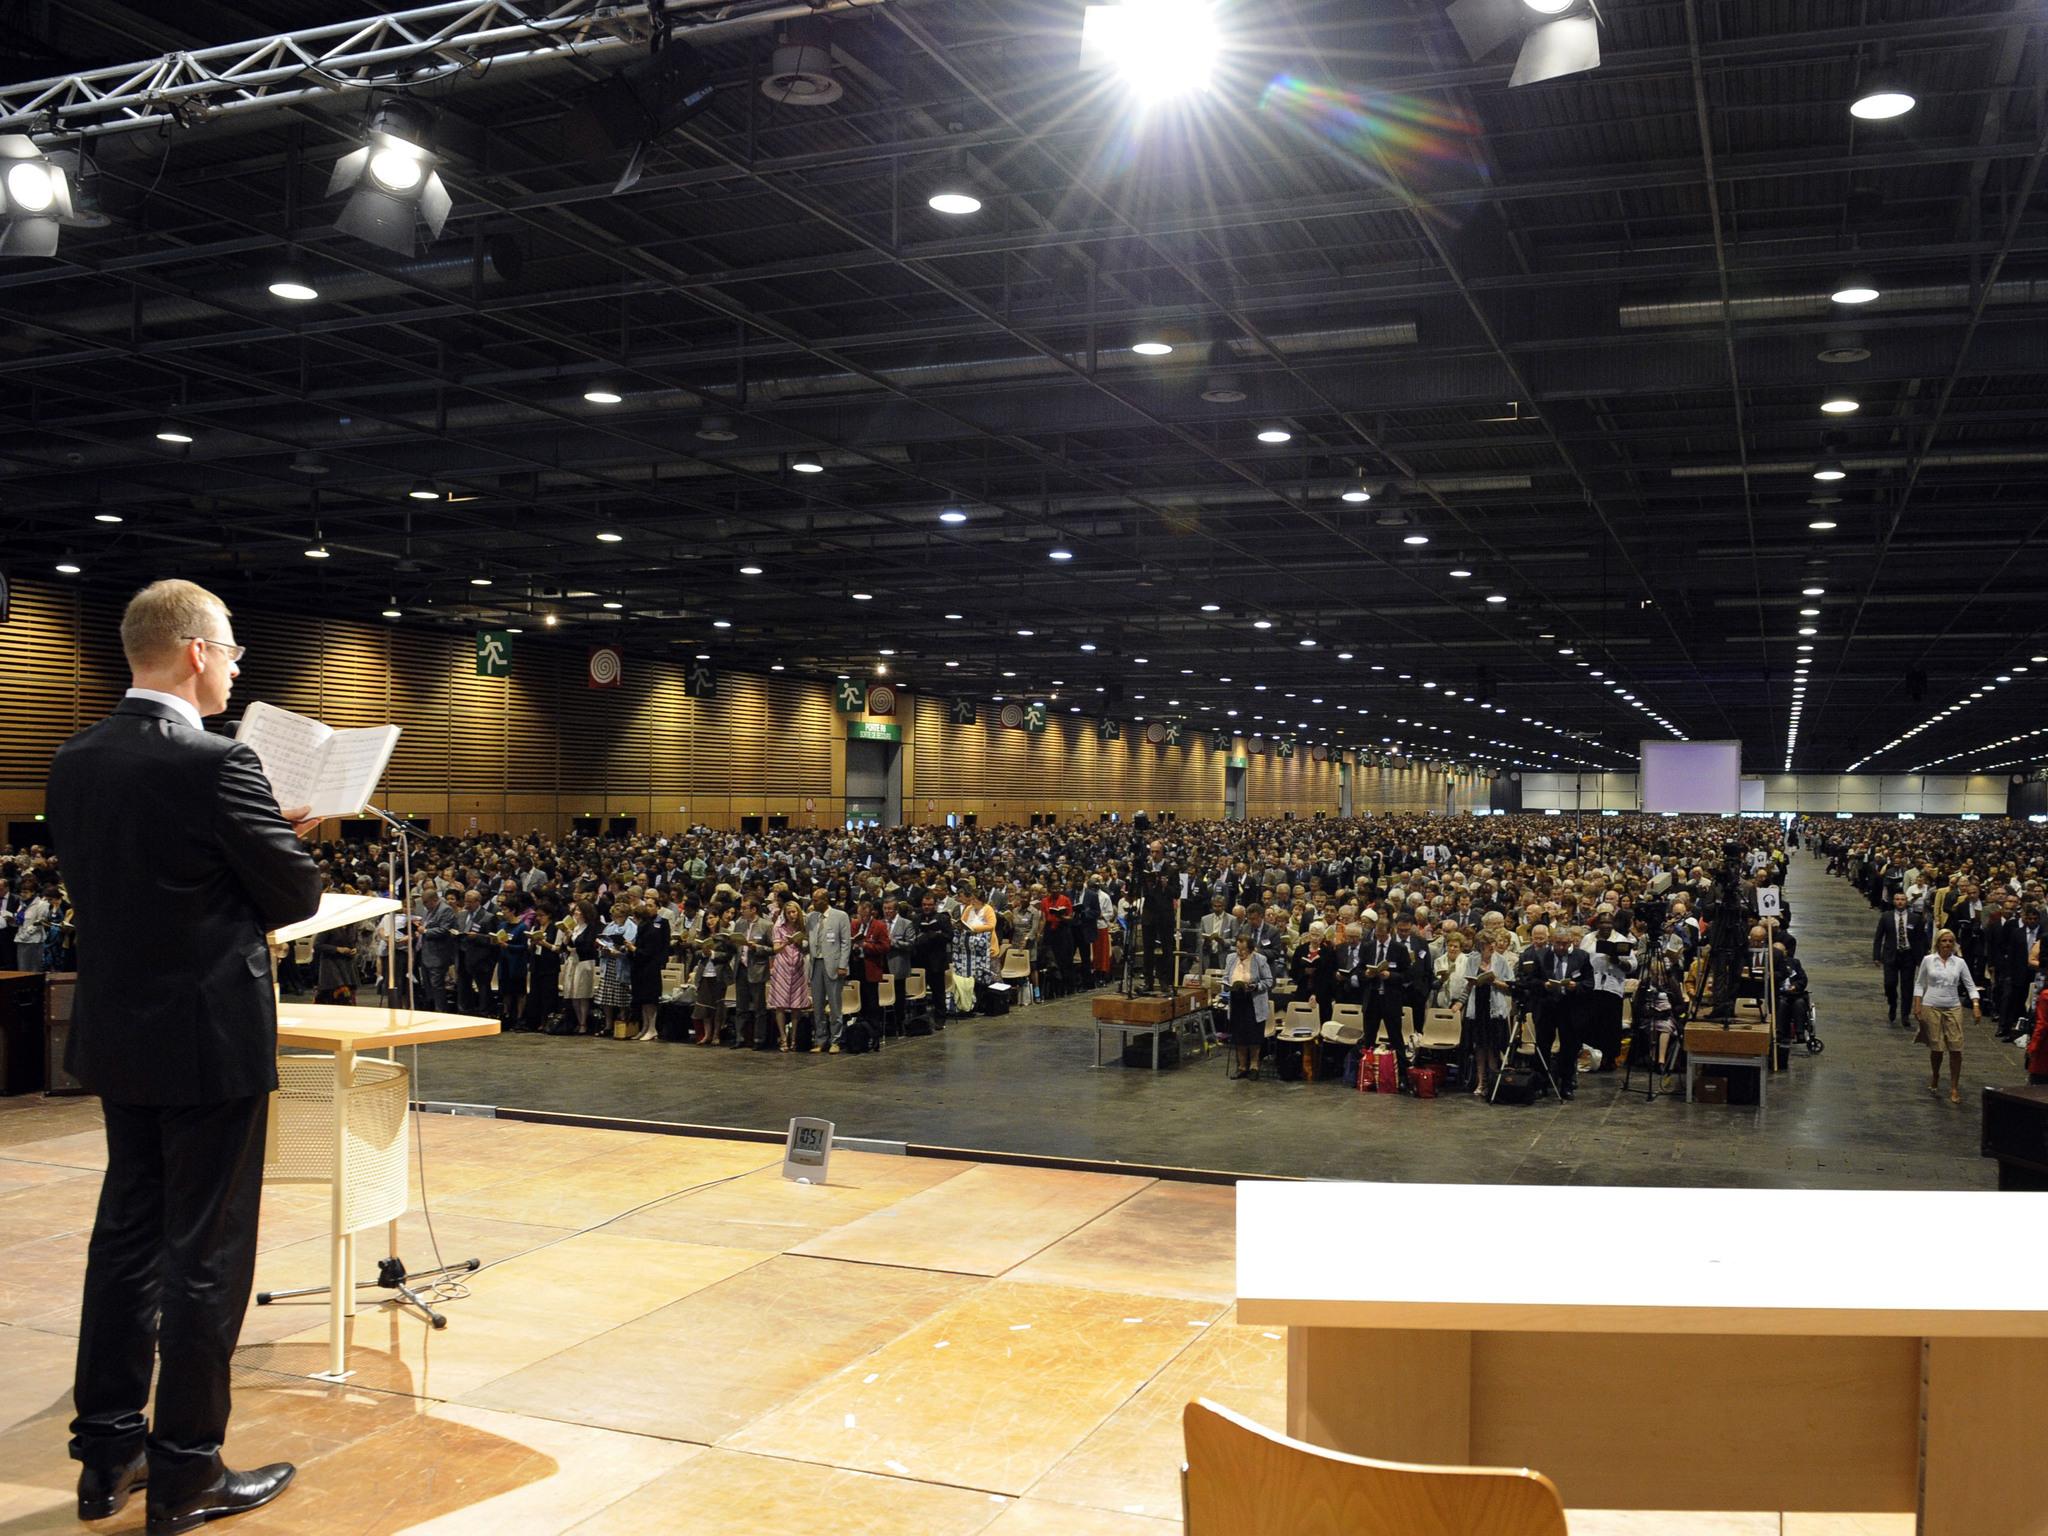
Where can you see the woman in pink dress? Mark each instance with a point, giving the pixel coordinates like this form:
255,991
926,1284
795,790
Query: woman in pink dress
789,988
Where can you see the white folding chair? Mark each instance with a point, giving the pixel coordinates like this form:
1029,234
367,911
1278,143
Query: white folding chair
1346,1026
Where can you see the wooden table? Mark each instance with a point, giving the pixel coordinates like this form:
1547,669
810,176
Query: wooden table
1694,1349
346,1032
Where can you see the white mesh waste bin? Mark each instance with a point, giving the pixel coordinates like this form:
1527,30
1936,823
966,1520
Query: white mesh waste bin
298,1146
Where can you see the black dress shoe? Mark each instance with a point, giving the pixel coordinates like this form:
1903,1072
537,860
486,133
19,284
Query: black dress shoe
232,1493
102,1493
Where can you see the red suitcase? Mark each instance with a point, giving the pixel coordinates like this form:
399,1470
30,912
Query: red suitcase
1426,1080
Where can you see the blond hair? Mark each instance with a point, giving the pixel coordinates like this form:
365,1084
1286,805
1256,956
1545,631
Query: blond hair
161,616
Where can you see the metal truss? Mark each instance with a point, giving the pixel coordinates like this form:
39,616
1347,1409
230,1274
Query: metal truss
405,48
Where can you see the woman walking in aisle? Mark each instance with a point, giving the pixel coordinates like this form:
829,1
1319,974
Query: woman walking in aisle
1938,989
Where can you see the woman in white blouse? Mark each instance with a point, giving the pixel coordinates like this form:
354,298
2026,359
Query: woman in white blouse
1489,1006
1938,988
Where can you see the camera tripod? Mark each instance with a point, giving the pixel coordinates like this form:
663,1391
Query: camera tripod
1521,1028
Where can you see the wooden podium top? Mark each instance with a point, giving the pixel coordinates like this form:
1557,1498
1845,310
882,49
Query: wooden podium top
1595,1259
336,1027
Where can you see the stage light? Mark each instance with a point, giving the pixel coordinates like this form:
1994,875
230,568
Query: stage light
1880,102
602,394
1562,37
294,283
423,490
35,199
391,181
171,432
1160,49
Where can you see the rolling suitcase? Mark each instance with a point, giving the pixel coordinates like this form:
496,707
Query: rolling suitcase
1425,1080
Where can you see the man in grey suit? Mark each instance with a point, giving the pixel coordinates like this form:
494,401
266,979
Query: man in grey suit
756,933
831,940
436,950
902,935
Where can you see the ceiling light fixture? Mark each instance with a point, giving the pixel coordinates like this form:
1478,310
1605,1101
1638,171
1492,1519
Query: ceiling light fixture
609,537
423,490
67,567
106,517
1840,405
1274,435
806,465
391,181
1821,525
750,570
953,199
1829,470
1160,49
1059,554
171,432
1857,288
1882,101
603,394
1415,538
952,515
293,283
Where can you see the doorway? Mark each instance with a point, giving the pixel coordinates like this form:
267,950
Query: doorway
874,782
1233,793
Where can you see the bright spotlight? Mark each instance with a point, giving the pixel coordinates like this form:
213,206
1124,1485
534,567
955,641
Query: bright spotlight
35,199
1160,49
391,181
954,201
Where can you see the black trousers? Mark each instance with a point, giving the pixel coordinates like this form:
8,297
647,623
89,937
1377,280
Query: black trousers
1557,1037
1898,986
1158,942
167,1275
1384,1012
1600,1024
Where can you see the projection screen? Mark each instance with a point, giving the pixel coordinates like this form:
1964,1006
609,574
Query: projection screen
1692,776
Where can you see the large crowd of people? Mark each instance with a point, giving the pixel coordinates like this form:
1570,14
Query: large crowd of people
1585,927
1959,907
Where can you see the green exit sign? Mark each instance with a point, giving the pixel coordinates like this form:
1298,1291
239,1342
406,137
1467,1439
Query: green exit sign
872,730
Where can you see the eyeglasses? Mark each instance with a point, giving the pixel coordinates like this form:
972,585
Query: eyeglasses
234,652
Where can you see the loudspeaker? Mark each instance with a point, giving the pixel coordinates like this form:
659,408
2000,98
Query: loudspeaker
641,102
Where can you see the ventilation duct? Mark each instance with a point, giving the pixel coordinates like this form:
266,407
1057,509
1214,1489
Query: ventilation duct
1993,459
1818,305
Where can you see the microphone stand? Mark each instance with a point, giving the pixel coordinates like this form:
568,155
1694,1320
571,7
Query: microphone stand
392,1275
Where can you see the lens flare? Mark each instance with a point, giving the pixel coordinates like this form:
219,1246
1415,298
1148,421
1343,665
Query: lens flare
1381,133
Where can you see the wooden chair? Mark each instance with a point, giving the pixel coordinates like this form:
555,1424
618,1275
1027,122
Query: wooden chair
1241,1479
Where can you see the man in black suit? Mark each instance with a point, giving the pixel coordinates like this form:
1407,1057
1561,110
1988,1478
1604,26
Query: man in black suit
1383,969
1901,942
175,1028
1159,885
1550,976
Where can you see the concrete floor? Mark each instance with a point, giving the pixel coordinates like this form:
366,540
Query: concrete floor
1858,1116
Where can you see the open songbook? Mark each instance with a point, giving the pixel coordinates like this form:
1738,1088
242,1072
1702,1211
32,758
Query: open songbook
338,909
334,772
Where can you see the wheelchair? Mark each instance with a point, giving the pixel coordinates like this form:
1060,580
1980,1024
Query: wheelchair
1796,1022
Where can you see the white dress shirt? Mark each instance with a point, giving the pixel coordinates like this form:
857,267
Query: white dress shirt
1941,983
183,706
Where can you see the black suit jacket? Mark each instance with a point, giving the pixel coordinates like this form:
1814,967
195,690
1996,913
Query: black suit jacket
179,862
1885,947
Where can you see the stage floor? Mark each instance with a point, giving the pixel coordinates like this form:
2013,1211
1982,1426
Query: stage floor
667,1336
